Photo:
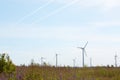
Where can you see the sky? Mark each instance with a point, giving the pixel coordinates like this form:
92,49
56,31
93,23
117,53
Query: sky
31,29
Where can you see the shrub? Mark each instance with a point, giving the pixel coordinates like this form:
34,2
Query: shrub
6,66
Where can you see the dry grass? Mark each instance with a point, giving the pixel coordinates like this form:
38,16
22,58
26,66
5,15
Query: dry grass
67,73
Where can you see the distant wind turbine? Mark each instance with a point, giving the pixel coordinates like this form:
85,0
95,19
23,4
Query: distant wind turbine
83,52
56,59
116,60
42,60
90,62
74,61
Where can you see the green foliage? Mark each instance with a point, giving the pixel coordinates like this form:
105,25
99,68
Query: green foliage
9,67
6,66
2,62
46,72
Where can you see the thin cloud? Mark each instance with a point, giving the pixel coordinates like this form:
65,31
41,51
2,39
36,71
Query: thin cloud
105,24
107,3
57,10
103,4
111,3
59,33
35,11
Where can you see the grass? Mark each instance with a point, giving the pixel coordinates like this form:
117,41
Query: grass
67,73
64,73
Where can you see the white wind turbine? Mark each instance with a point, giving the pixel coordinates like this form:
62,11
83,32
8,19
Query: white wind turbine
83,52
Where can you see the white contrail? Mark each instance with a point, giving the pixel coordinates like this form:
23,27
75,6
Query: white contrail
56,11
35,11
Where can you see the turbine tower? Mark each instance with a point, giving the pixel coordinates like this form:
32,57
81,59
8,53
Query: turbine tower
116,60
83,52
42,60
74,61
56,59
90,62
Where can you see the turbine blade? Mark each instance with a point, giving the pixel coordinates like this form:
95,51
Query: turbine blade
86,44
80,47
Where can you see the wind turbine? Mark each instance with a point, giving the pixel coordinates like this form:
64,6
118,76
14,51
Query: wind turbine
90,62
116,60
83,52
42,60
74,61
57,59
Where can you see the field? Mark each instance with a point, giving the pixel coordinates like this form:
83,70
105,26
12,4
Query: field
34,71
66,73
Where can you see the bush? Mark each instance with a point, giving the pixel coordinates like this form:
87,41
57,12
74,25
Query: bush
6,65
2,62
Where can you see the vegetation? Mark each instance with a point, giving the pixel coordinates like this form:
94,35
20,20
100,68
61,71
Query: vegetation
67,73
45,72
7,68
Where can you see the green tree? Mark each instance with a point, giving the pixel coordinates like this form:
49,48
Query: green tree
2,62
9,66
6,65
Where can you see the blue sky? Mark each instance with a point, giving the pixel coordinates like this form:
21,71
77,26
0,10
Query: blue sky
41,28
